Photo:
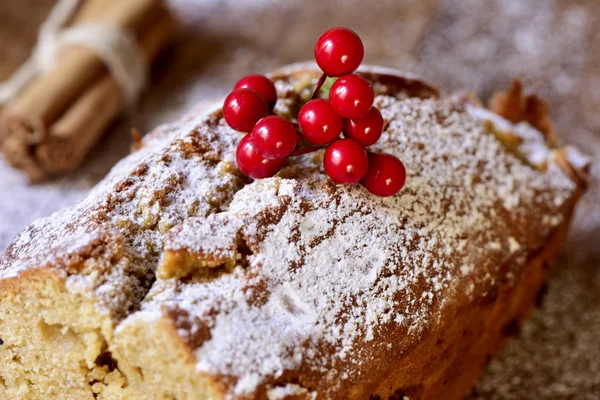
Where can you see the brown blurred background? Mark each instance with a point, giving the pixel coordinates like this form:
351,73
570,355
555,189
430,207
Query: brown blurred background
554,45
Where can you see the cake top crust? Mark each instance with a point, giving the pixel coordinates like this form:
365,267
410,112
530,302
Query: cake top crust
294,277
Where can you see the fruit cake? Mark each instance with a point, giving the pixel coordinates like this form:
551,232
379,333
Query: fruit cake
178,277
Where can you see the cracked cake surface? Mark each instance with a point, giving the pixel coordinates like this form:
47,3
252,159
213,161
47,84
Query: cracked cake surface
206,284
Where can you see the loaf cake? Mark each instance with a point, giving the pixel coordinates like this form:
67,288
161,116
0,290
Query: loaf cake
179,278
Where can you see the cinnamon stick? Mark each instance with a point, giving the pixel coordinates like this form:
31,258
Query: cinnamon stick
79,129
54,110
18,154
49,95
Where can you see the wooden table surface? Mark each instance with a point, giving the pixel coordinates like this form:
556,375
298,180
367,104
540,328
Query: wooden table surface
554,45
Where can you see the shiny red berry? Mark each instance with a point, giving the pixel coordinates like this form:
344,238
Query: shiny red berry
253,164
274,137
261,84
351,96
319,122
243,108
386,175
366,130
346,161
339,51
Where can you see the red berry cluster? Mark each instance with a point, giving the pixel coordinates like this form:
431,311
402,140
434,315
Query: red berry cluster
349,111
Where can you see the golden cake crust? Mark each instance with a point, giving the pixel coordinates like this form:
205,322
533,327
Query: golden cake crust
197,283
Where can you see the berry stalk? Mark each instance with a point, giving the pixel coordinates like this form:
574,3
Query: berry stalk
319,86
305,150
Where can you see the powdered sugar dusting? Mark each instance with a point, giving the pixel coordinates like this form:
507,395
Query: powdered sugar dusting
108,245
315,272
281,393
332,267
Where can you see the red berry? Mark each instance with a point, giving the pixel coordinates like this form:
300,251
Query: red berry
260,84
274,137
386,175
351,96
252,163
319,122
243,108
346,161
367,130
339,51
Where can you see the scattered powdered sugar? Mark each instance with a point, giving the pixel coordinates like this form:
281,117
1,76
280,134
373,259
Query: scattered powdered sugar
577,159
532,143
291,389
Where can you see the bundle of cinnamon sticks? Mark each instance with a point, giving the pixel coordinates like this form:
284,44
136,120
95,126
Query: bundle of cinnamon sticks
51,125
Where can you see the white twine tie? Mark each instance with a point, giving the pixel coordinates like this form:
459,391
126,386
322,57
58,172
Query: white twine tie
115,47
